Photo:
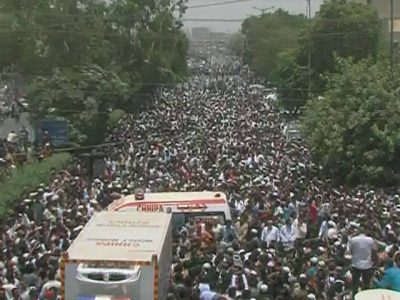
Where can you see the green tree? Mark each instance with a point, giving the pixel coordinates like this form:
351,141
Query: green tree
292,82
354,131
236,44
41,35
278,45
341,28
91,55
270,48
267,36
148,42
83,95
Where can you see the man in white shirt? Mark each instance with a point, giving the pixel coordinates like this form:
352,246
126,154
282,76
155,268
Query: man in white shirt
363,253
287,234
270,233
300,228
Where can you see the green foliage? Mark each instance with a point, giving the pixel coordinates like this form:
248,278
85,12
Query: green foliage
267,36
292,83
27,178
343,29
92,56
83,96
354,131
114,117
278,44
236,44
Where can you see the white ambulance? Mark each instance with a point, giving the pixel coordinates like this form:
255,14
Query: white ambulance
124,256
205,207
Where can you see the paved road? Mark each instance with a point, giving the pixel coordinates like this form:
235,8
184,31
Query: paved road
10,124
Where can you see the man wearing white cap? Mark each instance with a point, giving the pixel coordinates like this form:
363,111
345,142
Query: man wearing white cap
263,291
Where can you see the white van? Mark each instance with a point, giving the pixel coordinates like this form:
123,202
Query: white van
206,207
124,256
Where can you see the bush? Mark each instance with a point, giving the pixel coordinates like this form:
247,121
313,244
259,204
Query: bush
354,130
28,178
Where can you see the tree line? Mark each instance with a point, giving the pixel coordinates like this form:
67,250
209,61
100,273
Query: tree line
82,59
334,69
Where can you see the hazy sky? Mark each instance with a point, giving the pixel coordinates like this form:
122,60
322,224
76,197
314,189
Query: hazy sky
239,11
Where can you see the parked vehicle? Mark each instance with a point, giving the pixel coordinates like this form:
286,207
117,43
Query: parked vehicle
122,255
207,207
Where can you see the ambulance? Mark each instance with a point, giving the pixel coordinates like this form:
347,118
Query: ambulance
119,256
205,207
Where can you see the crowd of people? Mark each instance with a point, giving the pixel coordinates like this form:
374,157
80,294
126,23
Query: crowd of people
292,236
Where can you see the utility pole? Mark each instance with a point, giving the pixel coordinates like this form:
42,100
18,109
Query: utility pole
391,34
309,47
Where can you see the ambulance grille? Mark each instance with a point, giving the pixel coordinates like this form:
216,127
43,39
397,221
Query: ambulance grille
108,277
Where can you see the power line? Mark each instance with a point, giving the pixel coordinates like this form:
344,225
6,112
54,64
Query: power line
309,60
164,35
44,27
212,20
218,4
144,83
83,15
110,16
391,34
146,35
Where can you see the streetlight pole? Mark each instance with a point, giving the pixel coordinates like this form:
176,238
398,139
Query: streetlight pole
391,35
309,47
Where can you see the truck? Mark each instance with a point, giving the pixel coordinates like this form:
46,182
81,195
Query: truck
119,255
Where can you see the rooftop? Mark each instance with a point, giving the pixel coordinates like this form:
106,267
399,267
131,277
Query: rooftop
121,236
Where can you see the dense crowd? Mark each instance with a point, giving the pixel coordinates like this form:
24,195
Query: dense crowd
292,236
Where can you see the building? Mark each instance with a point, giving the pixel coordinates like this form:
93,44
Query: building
220,36
383,7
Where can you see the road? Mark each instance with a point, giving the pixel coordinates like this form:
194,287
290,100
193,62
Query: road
10,124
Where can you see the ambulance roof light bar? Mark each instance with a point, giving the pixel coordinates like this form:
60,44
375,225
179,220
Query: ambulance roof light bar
192,206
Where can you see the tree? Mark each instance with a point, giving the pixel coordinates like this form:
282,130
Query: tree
267,36
83,95
354,131
278,45
292,83
41,35
130,47
344,29
236,44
